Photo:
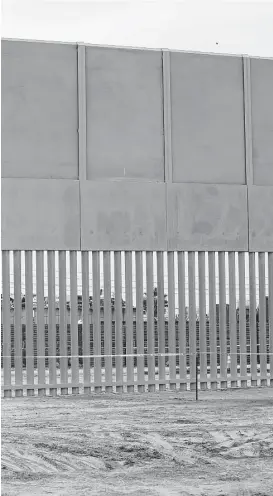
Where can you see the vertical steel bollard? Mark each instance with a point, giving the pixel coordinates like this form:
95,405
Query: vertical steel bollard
196,376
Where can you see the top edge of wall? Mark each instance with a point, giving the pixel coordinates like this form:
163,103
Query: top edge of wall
120,47
73,43
49,42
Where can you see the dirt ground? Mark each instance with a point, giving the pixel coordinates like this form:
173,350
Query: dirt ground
139,444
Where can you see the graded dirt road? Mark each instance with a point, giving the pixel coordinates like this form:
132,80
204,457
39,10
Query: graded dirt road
139,444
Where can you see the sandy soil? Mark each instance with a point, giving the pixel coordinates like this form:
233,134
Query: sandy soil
139,444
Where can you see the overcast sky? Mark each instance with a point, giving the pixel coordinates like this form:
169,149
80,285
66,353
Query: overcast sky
221,26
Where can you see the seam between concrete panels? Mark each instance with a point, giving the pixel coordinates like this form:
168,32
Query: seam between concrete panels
82,141
167,115
82,112
167,123
248,120
248,135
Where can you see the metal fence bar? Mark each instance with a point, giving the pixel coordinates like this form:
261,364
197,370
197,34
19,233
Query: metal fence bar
107,320
192,318
242,319
160,319
40,320
139,321
224,339
6,322
129,318
262,321
232,320
29,321
150,320
63,321
171,321
74,322
96,320
222,319
85,320
17,323
51,322
118,322
252,319
270,311
182,321
212,321
202,321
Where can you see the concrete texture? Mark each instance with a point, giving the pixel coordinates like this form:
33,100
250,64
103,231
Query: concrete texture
40,214
262,120
124,200
207,217
260,218
207,105
123,216
39,110
124,114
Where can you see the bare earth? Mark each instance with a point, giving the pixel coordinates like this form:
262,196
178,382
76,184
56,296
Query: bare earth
139,444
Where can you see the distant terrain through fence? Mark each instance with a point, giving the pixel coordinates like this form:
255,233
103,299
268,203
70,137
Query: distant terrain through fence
145,349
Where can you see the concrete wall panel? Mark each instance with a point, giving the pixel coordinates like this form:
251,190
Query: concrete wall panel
262,120
124,114
204,141
207,217
261,218
207,106
39,110
123,216
40,214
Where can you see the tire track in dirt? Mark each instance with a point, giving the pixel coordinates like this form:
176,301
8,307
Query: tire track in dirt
152,445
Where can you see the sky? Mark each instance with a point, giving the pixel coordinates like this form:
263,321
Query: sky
220,26
229,26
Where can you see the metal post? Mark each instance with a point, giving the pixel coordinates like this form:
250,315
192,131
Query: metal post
196,376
